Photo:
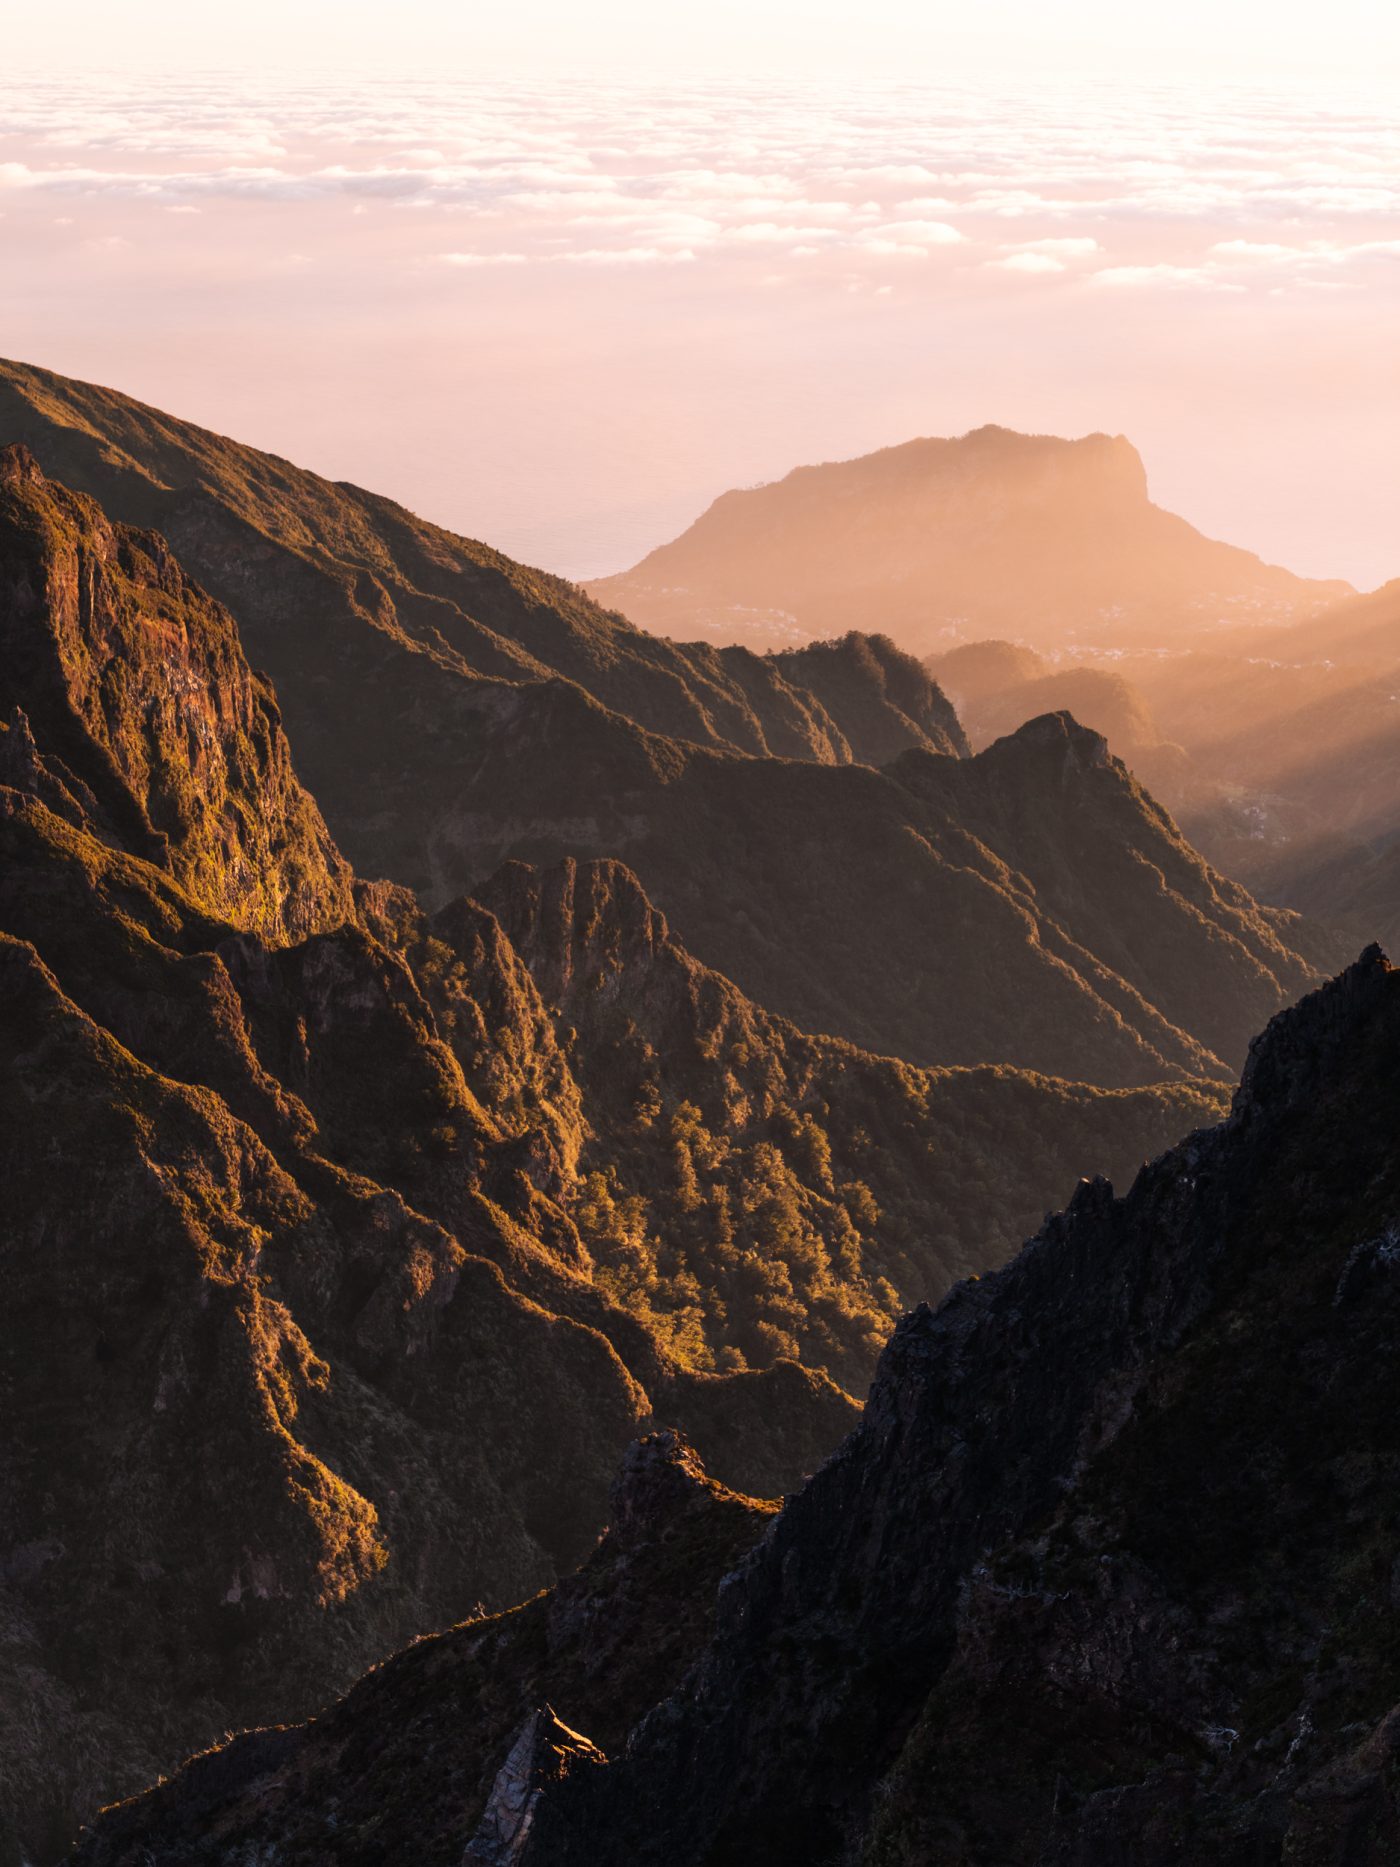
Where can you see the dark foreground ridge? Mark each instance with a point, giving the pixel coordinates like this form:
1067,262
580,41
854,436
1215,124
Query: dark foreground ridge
1106,1574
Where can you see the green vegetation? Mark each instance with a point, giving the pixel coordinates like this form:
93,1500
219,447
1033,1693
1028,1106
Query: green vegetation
756,1192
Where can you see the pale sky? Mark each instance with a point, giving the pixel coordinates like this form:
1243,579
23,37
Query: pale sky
684,37
563,312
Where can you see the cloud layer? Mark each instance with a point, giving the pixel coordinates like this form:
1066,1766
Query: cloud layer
1171,189
629,296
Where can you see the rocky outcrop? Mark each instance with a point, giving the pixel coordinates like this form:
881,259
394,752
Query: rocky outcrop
135,683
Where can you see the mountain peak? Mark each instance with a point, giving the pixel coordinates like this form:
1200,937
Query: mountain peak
1059,732
1104,453
992,533
1311,1043
662,1475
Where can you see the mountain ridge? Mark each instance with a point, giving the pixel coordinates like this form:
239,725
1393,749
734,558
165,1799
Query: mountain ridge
434,770
355,561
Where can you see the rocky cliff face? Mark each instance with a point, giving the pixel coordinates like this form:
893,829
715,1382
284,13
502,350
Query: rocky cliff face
135,684
1105,1574
993,533
266,1418
332,1248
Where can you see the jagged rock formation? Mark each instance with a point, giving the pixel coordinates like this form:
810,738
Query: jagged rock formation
544,1756
328,1238
470,1727
451,711
1106,1574
993,533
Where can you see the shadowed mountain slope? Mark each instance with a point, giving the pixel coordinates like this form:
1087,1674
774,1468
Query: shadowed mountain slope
1107,863
343,1258
992,533
857,902
1105,1574
1356,887
1031,904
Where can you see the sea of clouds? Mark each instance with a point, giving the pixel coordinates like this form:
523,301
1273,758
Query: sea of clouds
707,256
1278,191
